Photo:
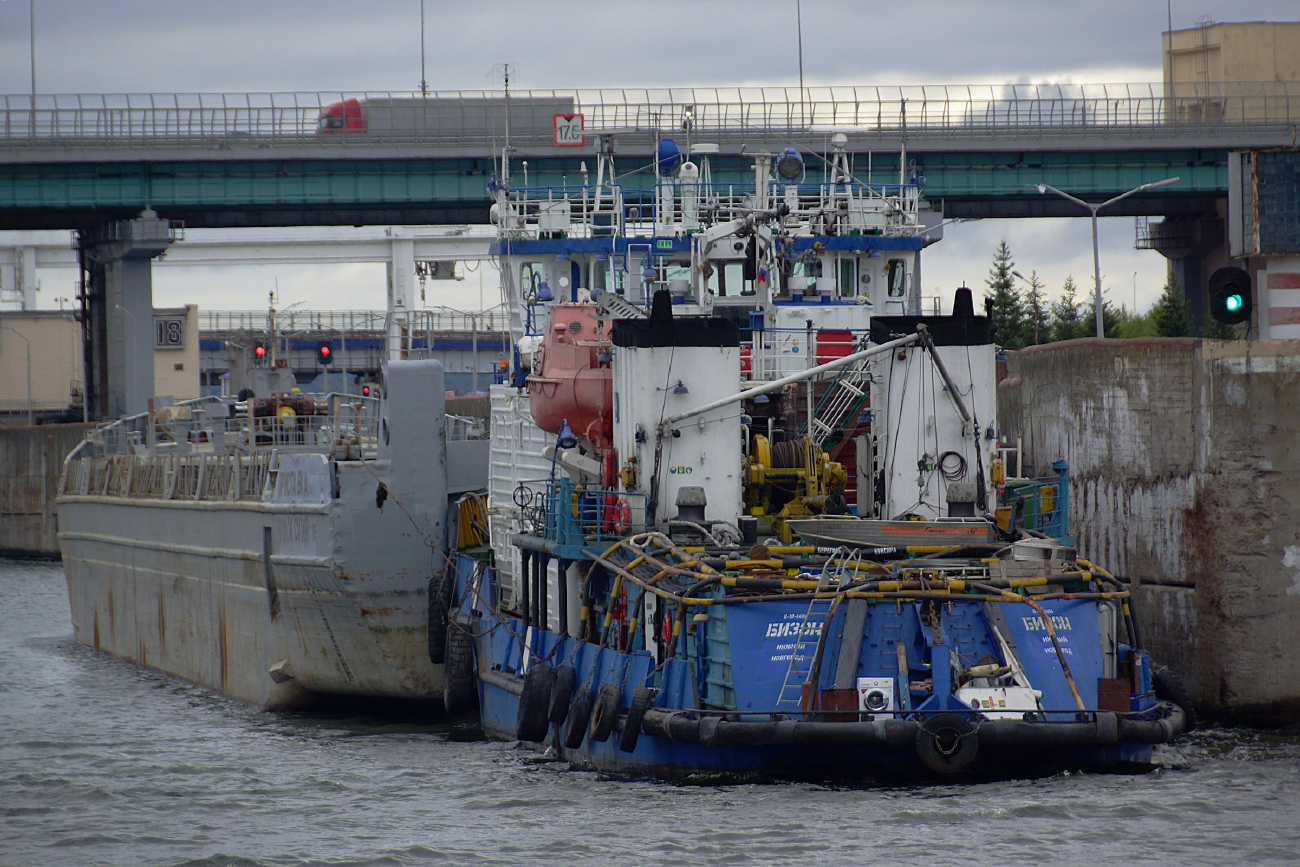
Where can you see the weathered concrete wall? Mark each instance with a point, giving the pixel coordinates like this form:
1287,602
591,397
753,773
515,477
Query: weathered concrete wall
31,459
1184,461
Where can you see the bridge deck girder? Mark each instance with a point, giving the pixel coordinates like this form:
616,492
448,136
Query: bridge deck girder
441,191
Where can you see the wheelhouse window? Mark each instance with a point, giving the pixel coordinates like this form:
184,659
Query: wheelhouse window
848,272
896,278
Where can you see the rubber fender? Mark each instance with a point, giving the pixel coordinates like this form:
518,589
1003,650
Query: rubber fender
947,743
1170,724
459,690
641,698
532,721
1168,687
562,693
579,717
440,587
604,713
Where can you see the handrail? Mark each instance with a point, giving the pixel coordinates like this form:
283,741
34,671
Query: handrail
919,109
368,322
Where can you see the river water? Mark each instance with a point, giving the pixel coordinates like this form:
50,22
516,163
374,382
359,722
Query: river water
104,763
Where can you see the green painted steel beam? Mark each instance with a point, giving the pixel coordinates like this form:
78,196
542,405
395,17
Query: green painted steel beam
382,185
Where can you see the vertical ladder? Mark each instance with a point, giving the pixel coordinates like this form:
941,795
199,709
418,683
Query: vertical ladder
839,570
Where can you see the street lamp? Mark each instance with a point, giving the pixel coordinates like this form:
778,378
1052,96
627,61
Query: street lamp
1096,255
29,371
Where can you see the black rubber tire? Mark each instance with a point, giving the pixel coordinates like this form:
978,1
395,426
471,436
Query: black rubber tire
641,698
947,743
532,722
562,692
604,714
440,587
579,717
1167,686
459,679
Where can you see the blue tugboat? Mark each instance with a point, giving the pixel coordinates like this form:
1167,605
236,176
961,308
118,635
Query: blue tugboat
684,577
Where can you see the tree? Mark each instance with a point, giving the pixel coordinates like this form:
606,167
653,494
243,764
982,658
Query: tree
1067,320
1170,314
1008,307
1216,330
1111,320
1037,325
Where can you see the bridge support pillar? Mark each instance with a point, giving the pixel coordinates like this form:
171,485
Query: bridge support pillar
1195,245
401,297
117,312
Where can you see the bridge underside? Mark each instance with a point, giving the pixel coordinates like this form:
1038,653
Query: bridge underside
301,192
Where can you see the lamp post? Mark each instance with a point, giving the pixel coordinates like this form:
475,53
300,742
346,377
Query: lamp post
29,371
1093,209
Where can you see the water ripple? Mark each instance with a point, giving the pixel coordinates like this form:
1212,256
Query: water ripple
103,763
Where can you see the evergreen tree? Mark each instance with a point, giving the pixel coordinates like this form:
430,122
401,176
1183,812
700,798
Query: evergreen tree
1008,306
1037,325
1067,320
1170,313
1216,330
1111,320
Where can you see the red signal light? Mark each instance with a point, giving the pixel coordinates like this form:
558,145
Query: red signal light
365,391
259,351
324,354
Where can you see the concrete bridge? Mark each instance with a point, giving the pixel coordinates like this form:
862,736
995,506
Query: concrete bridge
94,162
72,161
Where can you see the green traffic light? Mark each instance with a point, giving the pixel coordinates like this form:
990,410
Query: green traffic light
1233,303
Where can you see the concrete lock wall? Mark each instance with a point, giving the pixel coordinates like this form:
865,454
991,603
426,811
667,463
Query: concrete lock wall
1184,460
31,461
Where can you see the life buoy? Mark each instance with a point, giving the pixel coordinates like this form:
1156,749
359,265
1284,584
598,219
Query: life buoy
622,516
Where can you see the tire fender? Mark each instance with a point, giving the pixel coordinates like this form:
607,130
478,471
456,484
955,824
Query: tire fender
947,743
532,723
579,717
459,679
562,693
641,698
604,713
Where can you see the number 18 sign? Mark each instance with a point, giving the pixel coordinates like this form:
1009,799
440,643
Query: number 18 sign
568,130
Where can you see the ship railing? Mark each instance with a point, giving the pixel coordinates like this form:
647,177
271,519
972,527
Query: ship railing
777,352
361,322
565,211
466,428
727,114
574,514
217,424
672,207
812,208
1043,503
192,454
205,476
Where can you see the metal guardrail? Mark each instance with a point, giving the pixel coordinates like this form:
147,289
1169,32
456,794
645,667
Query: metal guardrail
353,321
1057,109
214,424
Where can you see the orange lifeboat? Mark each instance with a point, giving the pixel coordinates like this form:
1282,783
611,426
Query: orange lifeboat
571,376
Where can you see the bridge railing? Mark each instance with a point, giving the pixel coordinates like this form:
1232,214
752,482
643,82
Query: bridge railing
226,119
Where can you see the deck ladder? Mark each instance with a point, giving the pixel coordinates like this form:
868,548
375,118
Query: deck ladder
847,392
838,571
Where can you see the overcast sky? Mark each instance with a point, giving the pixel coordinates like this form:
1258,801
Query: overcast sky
94,46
